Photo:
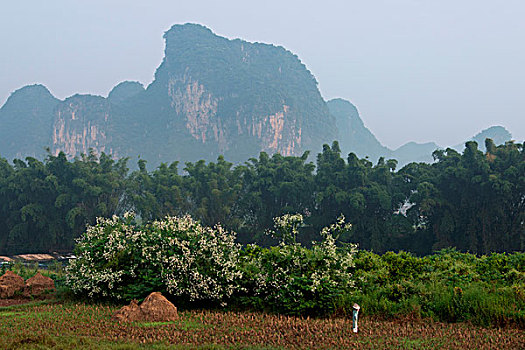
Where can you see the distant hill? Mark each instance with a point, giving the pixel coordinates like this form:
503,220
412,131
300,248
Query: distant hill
498,134
414,152
355,137
211,96
26,121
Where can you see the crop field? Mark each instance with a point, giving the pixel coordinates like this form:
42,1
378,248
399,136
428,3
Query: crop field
68,325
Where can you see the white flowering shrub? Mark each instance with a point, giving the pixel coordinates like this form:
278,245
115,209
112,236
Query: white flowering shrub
116,258
293,279
119,259
286,228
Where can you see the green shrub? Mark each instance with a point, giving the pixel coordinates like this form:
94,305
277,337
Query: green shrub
402,265
119,259
447,286
295,280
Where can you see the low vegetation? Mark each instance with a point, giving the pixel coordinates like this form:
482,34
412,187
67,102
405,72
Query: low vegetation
72,325
119,259
269,298
447,286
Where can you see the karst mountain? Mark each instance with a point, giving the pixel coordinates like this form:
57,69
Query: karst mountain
210,96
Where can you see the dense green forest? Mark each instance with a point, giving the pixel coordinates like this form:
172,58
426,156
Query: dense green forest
472,201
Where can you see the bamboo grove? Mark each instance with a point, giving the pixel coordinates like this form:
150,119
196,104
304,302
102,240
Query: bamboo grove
473,201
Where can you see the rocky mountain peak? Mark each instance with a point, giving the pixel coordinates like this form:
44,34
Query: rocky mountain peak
30,94
187,30
125,90
238,98
25,122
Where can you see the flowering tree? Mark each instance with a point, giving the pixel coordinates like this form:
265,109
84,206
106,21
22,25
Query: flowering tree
293,279
120,259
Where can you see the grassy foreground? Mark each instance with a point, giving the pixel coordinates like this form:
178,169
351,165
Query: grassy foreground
68,325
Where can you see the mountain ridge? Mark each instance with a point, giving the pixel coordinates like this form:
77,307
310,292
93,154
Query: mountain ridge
357,138
211,96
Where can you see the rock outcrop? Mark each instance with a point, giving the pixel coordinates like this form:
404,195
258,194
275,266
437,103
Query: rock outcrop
213,96
155,308
81,123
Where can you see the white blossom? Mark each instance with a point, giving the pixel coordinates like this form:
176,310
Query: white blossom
193,261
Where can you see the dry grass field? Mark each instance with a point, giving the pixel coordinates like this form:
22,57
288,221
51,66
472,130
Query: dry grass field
66,325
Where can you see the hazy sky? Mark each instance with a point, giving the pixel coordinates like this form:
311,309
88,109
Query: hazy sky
435,70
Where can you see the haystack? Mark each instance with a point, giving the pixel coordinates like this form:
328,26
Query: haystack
128,313
155,308
38,285
10,283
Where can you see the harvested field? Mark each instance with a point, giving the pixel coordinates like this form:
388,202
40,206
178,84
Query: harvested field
11,302
77,325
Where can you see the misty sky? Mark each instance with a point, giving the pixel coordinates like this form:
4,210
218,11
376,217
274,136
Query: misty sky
417,70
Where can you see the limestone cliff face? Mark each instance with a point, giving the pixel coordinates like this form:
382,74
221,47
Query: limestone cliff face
211,96
279,132
237,98
198,108
81,123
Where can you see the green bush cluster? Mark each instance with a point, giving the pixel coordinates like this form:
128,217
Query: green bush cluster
120,259
447,286
296,280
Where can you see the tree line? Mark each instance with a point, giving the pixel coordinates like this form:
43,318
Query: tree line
473,201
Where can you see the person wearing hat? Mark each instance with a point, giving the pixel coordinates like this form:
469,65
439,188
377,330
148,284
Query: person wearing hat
354,316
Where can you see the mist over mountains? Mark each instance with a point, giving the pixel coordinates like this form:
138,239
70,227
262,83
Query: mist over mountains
211,96
355,137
